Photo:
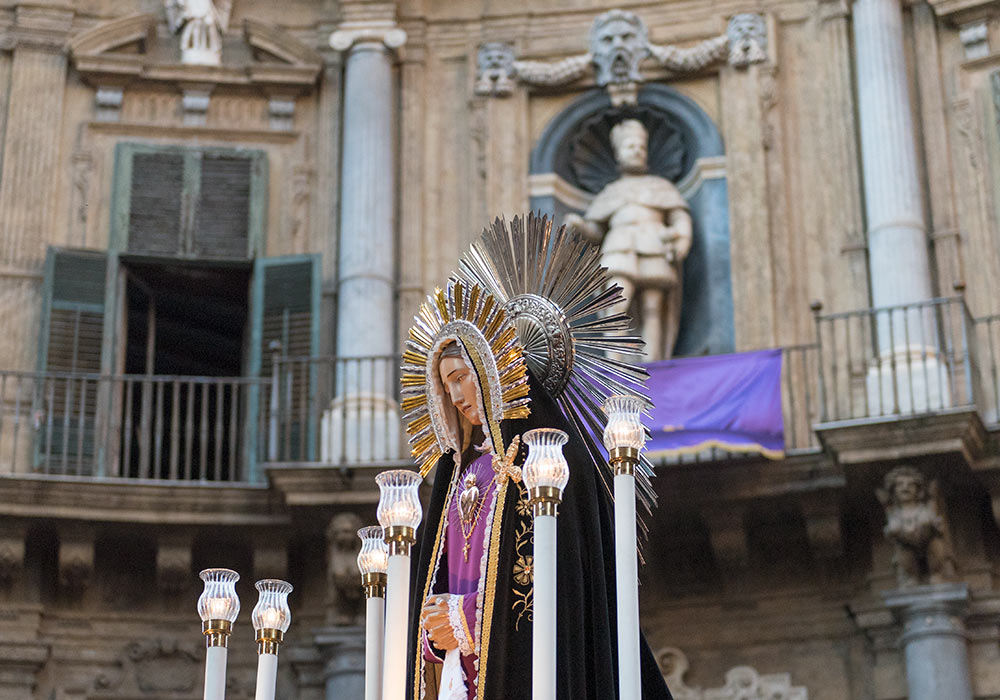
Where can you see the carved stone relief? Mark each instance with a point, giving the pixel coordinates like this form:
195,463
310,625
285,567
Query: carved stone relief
201,24
742,682
343,579
163,665
618,46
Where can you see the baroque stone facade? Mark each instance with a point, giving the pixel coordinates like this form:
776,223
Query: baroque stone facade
209,251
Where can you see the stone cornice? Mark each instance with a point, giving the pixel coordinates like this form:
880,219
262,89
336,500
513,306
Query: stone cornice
963,11
134,501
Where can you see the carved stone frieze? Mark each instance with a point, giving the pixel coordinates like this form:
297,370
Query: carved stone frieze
158,666
618,46
742,682
173,568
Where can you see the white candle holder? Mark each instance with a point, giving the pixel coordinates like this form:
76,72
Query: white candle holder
624,438
271,619
399,513
218,607
373,560
545,475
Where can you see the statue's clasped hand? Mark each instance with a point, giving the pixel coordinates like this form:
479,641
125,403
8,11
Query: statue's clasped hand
434,619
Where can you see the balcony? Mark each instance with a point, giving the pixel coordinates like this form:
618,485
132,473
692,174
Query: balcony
900,382
877,384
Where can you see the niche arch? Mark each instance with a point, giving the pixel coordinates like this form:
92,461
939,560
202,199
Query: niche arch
568,165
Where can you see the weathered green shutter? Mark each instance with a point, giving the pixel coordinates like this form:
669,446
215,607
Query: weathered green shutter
200,202
222,225
156,208
285,302
72,329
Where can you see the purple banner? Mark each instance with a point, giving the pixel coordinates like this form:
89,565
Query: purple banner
728,401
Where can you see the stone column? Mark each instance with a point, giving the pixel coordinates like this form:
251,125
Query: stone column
343,649
934,640
363,419
909,377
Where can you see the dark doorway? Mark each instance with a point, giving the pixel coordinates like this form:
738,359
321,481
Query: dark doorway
184,344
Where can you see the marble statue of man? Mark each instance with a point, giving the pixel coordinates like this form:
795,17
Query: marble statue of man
201,23
644,227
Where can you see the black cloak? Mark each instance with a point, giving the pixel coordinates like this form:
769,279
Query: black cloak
587,666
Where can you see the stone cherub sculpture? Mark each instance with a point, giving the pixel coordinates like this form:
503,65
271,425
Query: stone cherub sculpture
747,39
343,578
644,227
201,23
916,527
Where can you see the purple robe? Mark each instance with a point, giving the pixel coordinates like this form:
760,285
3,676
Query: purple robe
464,575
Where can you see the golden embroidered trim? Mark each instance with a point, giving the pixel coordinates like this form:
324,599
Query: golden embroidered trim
489,594
435,553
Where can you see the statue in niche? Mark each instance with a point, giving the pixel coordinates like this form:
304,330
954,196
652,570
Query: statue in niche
644,228
917,528
201,23
747,39
343,580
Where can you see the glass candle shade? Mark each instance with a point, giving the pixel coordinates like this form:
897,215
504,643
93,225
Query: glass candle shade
219,600
545,466
272,611
624,428
374,555
399,501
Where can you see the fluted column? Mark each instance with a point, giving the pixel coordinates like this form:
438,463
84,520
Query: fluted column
909,377
343,652
934,640
897,241
362,422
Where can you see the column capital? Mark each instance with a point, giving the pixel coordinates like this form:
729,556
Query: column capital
389,35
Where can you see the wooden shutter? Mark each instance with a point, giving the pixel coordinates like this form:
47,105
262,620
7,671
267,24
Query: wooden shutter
156,211
223,215
72,331
285,308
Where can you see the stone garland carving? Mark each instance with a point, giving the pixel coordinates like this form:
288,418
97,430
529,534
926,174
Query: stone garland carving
917,528
742,682
619,43
344,590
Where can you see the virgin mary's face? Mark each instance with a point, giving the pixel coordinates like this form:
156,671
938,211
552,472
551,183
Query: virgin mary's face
461,387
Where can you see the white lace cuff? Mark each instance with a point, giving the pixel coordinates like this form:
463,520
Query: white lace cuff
459,625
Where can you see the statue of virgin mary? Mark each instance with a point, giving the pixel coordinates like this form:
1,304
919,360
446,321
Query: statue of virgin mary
474,381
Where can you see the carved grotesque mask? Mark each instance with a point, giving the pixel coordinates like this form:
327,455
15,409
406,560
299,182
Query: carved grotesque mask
747,39
618,44
494,67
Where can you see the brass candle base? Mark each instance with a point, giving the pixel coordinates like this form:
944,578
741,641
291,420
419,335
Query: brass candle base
216,632
400,539
623,460
544,500
374,584
268,640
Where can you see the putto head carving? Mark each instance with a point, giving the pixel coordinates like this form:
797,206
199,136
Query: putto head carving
630,141
495,69
618,44
747,39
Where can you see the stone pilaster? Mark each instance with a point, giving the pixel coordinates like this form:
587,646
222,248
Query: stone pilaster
934,640
343,649
743,129
20,663
29,176
935,133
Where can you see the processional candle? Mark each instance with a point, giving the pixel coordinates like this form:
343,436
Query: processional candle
218,606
